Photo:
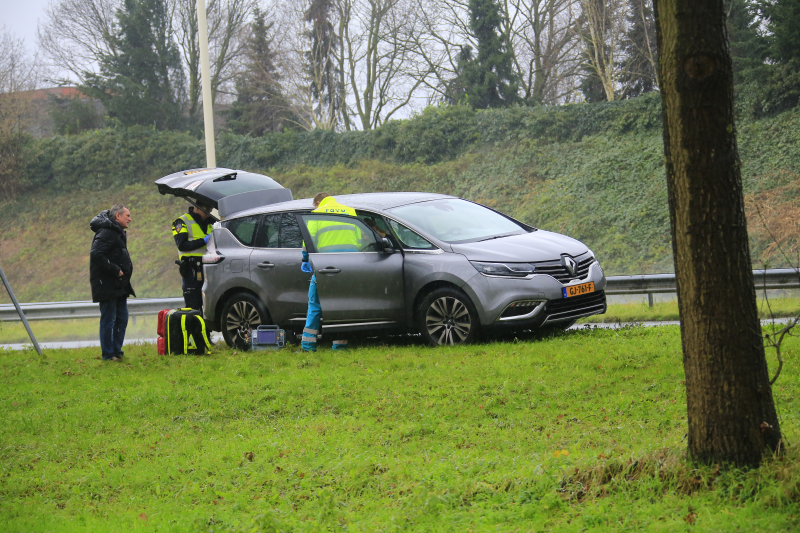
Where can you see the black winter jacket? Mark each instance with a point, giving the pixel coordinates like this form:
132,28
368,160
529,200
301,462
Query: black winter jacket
109,255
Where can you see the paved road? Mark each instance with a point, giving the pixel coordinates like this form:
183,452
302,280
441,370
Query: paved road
84,344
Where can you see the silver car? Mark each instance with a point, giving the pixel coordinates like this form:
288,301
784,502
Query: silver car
434,264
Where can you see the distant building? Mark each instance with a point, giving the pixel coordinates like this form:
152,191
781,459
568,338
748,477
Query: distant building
39,121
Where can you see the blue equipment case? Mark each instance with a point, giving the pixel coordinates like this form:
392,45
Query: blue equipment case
267,338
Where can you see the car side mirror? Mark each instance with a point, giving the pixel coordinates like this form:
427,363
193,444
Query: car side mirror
388,247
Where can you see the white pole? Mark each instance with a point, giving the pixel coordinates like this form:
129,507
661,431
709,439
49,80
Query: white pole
205,75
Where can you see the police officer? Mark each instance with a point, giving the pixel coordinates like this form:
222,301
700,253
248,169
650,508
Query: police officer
191,232
329,236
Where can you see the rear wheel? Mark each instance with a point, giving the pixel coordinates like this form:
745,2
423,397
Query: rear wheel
447,316
241,314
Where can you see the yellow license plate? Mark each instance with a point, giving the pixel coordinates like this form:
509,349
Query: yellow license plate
577,290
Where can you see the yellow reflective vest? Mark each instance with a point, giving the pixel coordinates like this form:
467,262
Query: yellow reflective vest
334,236
194,230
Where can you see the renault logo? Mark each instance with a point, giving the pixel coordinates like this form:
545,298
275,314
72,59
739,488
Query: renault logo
572,266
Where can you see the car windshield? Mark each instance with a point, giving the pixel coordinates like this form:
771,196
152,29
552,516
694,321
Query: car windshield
455,221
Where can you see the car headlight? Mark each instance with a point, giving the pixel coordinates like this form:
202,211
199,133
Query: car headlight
508,270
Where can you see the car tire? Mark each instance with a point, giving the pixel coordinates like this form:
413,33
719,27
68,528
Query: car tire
241,314
446,316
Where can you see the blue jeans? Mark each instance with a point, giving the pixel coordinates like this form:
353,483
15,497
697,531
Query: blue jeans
113,323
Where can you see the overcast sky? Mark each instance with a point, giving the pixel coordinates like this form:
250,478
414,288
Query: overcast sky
20,17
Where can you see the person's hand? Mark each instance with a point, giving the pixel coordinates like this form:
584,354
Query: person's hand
207,237
121,273
305,266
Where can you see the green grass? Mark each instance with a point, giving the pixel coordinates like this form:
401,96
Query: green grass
641,312
77,329
583,431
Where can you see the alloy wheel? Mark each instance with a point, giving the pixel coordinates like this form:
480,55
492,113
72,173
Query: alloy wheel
242,318
448,321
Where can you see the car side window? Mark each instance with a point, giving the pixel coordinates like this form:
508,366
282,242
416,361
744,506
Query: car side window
244,229
410,239
290,232
269,232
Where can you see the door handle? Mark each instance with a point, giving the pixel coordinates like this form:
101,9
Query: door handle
265,265
329,270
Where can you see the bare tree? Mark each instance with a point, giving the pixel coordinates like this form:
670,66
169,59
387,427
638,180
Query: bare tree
304,74
435,42
603,31
731,412
76,34
19,76
373,59
640,73
543,34
227,28
544,37
350,67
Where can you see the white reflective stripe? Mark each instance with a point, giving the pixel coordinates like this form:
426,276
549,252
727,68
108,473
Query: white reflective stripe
339,342
310,331
309,340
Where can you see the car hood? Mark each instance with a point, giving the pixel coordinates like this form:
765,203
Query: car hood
531,247
226,189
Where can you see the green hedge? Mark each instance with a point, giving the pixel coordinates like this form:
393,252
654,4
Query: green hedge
112,157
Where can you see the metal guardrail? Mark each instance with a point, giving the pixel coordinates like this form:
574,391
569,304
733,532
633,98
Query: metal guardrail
777,278
65,310
649,284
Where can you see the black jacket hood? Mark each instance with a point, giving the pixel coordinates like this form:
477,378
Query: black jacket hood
104,221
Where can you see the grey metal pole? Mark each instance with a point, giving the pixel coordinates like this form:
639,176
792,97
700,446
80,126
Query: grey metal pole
19,311
205,78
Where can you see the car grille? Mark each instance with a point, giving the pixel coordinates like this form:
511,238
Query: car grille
566,308
560,272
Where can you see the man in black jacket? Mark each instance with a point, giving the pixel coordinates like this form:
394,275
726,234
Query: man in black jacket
110,270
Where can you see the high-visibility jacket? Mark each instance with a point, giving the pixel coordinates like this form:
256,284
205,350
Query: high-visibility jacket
194,230
334,236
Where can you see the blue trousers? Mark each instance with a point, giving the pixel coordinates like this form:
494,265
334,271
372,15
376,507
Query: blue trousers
314,321
313,318
113,323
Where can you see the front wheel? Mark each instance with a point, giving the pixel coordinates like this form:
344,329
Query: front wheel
241,314
447,316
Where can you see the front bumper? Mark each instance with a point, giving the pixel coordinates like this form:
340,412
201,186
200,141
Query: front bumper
543,296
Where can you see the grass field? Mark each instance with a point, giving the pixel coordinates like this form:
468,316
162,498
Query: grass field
641,312
583,431
77,329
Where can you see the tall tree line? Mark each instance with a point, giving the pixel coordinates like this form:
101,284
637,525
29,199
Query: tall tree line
342,64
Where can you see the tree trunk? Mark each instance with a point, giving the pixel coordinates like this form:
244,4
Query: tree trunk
731,413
